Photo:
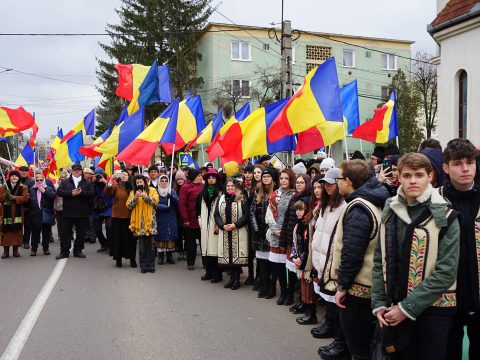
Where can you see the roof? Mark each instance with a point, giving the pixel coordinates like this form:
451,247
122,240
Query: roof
456,10
248,27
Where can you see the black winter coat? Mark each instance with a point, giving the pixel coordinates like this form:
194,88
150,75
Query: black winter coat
35,213
290,219
80,205
258,225
357,226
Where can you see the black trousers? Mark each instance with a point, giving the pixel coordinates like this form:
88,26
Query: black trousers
211,266
279,272
46,231
332,319
191,236
455,339
429,339
264,266
358,324
146,252
27,231
81,225
179,242
105,241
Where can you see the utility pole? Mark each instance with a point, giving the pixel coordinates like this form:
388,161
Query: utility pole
286,65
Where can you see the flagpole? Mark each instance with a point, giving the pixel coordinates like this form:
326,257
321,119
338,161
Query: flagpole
171,173
345,142
361,146
203,154
8,150
397,142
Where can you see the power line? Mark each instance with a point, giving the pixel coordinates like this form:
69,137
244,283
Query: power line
46,77
120,34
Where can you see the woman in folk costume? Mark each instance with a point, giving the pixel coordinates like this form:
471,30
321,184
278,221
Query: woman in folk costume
143,201
231,216
206,203
167,229
123,243
12,197
277,207
303,188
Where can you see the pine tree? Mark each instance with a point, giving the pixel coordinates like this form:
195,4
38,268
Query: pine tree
148,30
408,107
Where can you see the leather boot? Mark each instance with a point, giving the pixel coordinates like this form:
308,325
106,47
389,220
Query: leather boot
15,252
133,263
236,281
272,291
299,307
289,299
229,284
334,351
118,263
310,317
161,258
249,280
283,296
6,252
170,258
323,331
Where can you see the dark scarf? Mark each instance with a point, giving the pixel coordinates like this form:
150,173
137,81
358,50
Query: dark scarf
12,222
126,185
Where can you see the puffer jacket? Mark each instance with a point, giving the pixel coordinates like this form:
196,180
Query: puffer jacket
357,228
290,218
323,235
258,224
274,225
187,203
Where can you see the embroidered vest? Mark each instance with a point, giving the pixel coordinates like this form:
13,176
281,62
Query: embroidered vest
422,258
362,284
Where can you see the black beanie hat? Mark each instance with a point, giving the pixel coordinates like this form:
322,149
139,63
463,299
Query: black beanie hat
392,149
357,155
379,152
192,174
248,168
153,167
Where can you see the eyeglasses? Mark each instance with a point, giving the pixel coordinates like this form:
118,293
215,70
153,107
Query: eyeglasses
339,178
300,183
39,180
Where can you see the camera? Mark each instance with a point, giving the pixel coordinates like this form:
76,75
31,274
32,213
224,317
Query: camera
98,177
140,188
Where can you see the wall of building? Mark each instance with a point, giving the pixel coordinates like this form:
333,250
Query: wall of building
459,52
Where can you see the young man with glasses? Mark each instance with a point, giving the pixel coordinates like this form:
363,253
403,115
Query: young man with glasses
349,271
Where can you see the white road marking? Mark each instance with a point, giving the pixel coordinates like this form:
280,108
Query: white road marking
16,344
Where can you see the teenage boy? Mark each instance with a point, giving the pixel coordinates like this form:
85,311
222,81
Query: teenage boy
415,265
463,191
352,256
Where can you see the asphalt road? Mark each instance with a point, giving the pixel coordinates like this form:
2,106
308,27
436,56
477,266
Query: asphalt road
98,311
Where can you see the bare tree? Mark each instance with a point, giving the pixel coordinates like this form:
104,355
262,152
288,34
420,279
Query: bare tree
424,79
227,97
267,87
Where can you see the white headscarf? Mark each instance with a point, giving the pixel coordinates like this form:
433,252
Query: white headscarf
163,191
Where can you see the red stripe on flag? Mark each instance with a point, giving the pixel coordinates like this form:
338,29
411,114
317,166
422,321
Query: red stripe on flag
125,81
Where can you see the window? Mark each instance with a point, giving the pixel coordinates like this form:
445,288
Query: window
266,46
241,88
240,51
310,66
462,104
389,62
294,53
368,54
348,58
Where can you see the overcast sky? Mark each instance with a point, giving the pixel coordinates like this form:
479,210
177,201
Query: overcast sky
61,86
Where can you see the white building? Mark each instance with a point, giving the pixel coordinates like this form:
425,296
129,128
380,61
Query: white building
456,29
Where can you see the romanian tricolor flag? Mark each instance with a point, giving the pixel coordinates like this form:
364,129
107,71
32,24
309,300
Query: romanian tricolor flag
155,88
207,135
89,150
317,100
55,144
141,150
191,121
33,139
27,156
86,126
121,136
248,138
383,126
130,77
215,149
13,121
350,108
67,152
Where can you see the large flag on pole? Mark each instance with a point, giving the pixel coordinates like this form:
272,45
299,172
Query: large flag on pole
383,126
27,156
13,121
191,121
86,126
141,150
207,135
317,101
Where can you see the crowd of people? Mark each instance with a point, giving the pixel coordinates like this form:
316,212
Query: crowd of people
390,247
